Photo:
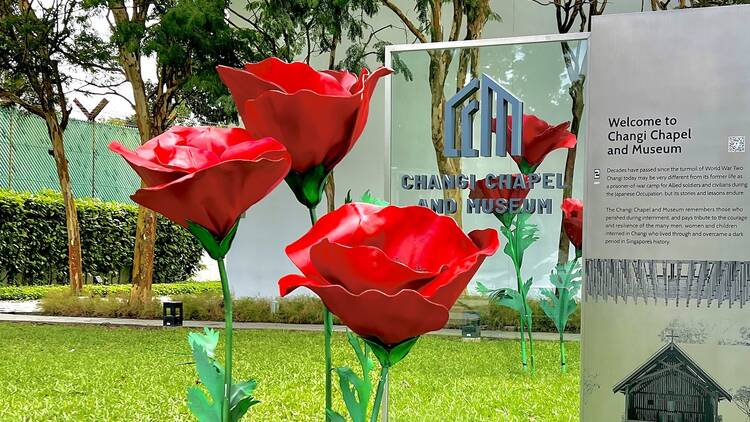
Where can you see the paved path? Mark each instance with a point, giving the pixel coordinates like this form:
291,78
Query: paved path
155,323
20,306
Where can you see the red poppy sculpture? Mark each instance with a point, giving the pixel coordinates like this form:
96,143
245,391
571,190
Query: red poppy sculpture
573,223
204,178
505,195
389,273
538,139
317,115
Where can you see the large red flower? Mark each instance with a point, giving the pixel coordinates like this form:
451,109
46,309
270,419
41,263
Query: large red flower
573,221
538,139
482,191
389,273
207,176
502,192
318,116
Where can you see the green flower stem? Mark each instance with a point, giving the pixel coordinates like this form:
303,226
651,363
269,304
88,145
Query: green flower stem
379,393
531,339
526,317
562,352
327,331
521,325
228,341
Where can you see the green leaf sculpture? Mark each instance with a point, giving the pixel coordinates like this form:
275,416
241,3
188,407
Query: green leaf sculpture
208,340
211,375
356,390
369,199
520,236
559,304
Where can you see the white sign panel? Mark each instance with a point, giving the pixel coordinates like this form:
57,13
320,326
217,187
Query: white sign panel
666,312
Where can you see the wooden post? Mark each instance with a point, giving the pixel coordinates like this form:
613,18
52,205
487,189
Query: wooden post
91,117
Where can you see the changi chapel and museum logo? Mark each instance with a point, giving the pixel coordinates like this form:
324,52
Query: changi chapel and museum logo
501,114
491,93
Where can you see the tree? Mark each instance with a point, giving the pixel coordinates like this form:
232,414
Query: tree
293,28
685,4
567,14
429,28
741,399
37,43
188,39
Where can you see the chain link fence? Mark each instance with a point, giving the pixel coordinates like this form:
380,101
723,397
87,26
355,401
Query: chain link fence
26,162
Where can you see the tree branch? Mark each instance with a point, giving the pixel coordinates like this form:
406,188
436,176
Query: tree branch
409,24
15,99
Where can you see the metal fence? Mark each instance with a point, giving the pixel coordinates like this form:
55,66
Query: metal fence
26,162
678,283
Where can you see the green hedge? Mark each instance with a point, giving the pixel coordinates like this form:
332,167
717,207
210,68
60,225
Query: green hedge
163,289
33,241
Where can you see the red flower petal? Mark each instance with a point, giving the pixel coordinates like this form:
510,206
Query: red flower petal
216,140
539,138
481,191
447,287
345,78
312,127
372,314
296,76
368,87
415,236
215,197
573,220
363,268
340,226
244,85
153,174
269,148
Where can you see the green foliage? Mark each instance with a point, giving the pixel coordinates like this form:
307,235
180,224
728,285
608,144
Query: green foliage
33,240
216,248
498,317
510,298
560,302
356,390
208,340
368,198
203,302
519,238
103,290
211,375
308,187
96,372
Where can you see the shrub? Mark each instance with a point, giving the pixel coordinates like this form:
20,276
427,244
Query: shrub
207,305
167,289
253,310
33,241
113,306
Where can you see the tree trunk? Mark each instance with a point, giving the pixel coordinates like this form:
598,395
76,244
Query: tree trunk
446,165
75,271
330,190
577,98
330,187
143,257
145,228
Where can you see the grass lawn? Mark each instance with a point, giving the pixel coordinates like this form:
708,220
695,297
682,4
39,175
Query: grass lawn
65,373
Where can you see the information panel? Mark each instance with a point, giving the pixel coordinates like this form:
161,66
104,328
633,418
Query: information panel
666,312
